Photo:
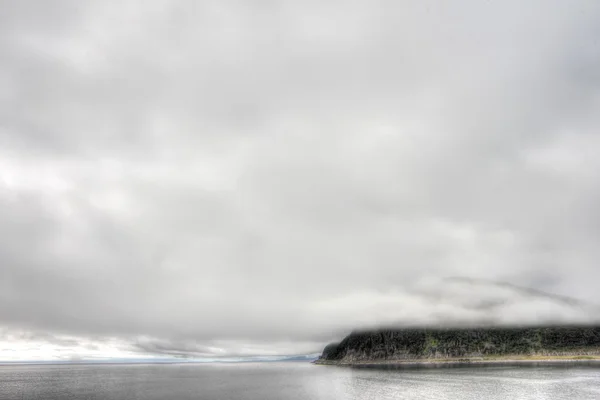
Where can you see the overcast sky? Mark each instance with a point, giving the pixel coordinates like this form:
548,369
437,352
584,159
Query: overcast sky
229,178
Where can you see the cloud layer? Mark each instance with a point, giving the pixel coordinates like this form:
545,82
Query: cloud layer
243,178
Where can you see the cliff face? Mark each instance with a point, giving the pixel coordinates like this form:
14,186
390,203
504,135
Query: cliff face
328,350
423,344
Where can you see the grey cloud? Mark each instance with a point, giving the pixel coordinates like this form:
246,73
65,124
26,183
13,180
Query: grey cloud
176,349
42,337
280,172
570,301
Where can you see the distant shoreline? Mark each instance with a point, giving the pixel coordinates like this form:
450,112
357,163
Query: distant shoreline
466,362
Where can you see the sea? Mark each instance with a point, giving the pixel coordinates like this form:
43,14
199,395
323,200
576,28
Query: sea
293,381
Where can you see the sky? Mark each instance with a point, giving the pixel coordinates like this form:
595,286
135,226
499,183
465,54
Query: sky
256,178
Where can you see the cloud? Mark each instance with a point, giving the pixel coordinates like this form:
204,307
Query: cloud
263,177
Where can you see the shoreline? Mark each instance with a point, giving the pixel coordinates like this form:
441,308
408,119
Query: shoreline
593,361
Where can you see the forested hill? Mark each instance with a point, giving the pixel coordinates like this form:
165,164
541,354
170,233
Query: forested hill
457,343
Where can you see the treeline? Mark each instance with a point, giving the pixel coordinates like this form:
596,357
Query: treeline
398,344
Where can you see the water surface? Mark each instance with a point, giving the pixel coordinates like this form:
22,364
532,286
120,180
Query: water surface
293,381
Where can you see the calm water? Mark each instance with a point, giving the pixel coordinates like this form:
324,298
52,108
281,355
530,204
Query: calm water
292,381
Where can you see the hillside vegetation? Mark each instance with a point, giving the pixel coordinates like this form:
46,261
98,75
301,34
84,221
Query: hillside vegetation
457,343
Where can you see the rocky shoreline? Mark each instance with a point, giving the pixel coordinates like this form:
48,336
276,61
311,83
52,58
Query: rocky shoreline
401,364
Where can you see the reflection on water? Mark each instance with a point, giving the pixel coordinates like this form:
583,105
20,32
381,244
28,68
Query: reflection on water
293,381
